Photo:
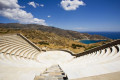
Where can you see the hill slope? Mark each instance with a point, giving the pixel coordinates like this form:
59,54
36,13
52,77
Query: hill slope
47,39
58,31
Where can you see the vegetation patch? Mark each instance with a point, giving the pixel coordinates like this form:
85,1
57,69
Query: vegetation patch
50,40
93,46
76,45
43,43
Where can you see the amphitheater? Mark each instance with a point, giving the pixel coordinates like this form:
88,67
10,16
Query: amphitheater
20,59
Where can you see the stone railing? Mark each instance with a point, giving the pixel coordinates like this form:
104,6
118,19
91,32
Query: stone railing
31,43
110,44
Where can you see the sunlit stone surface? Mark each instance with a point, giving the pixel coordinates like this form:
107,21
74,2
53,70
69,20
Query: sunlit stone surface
19,60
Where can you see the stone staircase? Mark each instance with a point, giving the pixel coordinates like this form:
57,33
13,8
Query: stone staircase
52,73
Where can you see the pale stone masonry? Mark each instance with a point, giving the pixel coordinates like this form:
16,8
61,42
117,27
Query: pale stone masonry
52,73
20,59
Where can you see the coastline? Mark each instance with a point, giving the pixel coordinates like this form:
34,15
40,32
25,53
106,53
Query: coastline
90,41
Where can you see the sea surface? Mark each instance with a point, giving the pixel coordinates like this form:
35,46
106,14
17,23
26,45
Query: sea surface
111,35
91,41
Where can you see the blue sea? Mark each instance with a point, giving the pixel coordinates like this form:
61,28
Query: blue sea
111,35
91,41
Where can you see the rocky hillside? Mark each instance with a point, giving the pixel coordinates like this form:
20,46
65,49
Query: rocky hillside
61,32
49,40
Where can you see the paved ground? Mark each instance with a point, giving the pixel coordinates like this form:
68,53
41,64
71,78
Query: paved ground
110,76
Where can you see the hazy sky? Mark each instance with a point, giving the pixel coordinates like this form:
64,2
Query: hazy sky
79,15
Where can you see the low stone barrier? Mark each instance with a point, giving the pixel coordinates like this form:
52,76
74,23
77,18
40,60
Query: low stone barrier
31,43
110,44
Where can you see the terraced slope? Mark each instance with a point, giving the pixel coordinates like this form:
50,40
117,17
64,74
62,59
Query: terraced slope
20,59
16,46
99,62
17,59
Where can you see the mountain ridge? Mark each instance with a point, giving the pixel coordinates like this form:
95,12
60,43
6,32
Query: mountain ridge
61,32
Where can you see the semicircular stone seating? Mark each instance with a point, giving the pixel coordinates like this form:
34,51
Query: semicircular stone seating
95,65
14,48
20,59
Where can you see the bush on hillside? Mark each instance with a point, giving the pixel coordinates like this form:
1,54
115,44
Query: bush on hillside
43,43
76,45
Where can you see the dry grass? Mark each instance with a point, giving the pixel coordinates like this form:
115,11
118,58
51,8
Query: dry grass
49,40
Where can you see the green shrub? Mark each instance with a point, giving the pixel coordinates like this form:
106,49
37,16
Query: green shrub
43,43
76,45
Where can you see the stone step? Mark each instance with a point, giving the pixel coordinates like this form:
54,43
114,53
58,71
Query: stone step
39,78
52,73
